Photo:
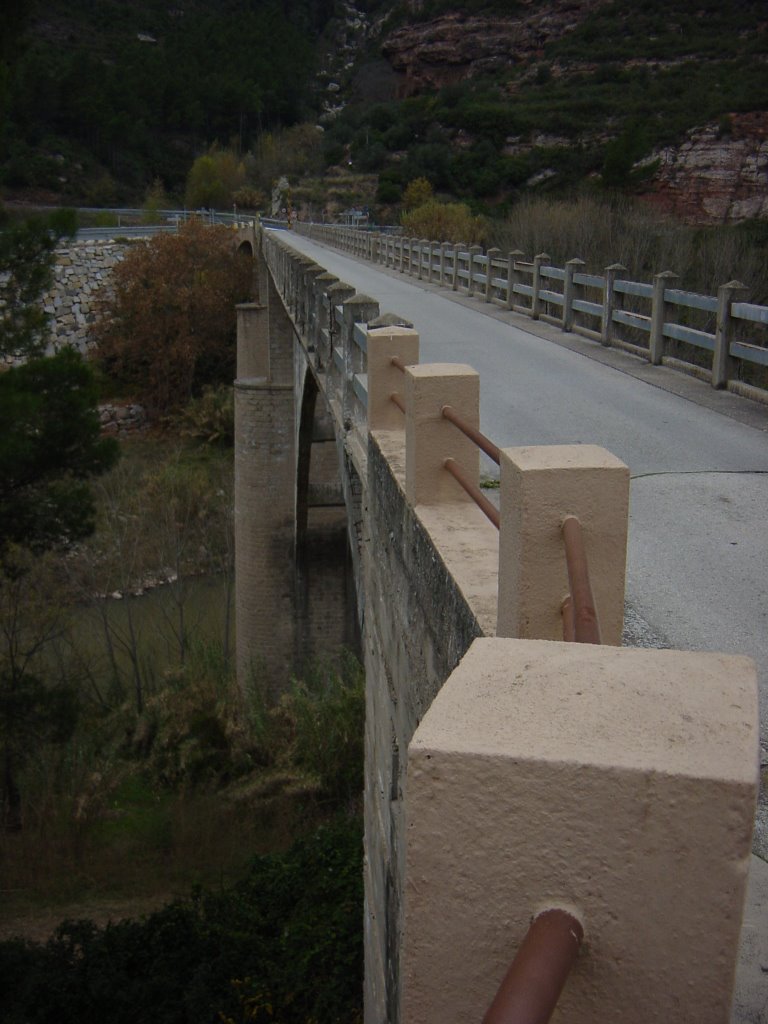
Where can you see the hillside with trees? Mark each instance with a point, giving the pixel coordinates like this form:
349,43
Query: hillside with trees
487,101
135,774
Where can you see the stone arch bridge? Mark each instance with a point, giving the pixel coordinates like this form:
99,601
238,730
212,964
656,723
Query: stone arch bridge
507,769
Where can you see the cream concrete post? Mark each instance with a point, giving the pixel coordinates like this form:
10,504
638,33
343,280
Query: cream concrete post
337,295
360,309
456,262
401,267
384,379
445,247
609,303
430,439
659,309
414,249
430,258
572,267
424,246
474,250
541,485
722,363
306,311
321,339
538,261
618,784
512,258
492,254
252,340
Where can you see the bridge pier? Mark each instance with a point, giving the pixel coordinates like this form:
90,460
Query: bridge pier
265,516
294,554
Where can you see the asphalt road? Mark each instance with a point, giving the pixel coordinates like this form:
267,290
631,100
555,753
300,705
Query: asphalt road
698,558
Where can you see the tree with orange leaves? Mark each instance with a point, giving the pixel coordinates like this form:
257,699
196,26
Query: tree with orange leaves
168,328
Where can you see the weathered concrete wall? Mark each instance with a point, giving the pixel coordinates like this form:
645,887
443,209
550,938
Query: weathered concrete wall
295,592
418,624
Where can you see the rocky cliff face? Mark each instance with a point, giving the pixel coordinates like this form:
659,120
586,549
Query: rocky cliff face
458,45
719,174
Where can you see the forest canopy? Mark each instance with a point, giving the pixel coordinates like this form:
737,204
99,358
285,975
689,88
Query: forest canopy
114,96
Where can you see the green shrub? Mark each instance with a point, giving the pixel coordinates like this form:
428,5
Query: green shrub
211,416
288,936
445,222
327,710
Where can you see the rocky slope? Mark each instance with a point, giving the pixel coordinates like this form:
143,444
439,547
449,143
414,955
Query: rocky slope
458,45
718,174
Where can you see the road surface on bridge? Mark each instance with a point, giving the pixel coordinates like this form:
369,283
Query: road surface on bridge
698,559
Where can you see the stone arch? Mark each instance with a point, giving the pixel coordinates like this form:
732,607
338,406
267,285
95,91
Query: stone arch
326,608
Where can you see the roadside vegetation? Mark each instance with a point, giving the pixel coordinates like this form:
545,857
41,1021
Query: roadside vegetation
603,230
133,765
101,108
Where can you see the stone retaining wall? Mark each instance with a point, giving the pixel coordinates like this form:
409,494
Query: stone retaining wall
81,271
122,419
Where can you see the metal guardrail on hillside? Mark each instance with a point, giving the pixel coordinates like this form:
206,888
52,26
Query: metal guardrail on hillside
722,339
128,222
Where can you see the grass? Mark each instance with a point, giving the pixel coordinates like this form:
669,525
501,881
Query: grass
181,789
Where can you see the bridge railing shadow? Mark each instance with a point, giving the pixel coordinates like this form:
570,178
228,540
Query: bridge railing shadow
617,785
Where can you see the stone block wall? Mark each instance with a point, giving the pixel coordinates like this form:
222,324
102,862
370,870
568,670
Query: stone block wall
81,271
418,625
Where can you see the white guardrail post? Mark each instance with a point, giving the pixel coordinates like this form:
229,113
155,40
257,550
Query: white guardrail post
659,311
723,365
609,303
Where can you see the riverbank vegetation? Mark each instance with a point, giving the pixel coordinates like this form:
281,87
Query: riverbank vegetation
134,765
161,776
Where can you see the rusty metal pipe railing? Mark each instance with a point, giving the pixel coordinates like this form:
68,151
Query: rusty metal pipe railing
583,614
569,626
474,492
394,397
484,443
536,977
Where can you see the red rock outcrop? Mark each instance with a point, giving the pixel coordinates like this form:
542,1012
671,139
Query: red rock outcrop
458,45
719,174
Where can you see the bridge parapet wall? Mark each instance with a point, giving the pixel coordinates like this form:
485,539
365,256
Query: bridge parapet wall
431,566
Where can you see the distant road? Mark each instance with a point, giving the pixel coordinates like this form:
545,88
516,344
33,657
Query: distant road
698,556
